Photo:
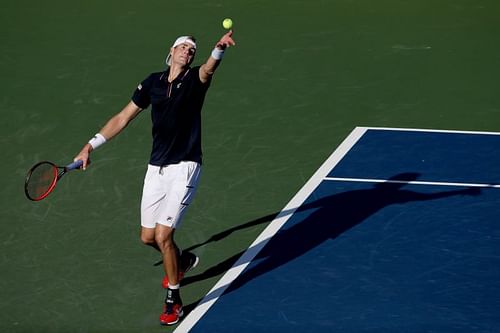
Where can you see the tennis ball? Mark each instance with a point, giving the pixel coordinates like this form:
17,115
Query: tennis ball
227,23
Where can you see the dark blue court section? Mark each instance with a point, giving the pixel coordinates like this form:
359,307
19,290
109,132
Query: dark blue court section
362,257
442,157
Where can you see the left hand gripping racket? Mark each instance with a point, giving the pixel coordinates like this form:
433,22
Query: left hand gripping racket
43,177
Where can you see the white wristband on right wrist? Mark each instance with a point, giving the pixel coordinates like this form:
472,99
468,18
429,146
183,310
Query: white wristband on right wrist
217,53
97,141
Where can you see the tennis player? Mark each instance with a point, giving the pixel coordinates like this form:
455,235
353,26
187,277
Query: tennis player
176,97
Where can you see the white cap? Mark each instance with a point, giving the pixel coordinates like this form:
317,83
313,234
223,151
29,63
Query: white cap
179,41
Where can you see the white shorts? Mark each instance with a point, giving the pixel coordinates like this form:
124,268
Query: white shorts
167,193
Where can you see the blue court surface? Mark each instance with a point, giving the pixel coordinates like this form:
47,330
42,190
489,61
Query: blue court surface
398,231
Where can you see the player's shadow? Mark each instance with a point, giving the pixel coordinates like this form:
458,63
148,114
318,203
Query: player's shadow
330,217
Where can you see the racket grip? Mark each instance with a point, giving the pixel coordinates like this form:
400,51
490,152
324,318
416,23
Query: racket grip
74,165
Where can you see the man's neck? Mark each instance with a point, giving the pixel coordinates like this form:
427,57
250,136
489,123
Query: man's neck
175,70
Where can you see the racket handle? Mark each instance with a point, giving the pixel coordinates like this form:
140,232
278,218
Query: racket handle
74,165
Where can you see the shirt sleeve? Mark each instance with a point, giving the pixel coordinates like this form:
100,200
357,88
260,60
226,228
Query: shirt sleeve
142,96
204,86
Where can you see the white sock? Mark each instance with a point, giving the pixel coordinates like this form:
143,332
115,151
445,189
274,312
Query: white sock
174,287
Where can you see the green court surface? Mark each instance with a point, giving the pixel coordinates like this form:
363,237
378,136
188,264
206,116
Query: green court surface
304,73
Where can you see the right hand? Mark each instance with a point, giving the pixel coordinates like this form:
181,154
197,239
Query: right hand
84,156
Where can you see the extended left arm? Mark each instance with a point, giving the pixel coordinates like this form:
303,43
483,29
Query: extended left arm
209,67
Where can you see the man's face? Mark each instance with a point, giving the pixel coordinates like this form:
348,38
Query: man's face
183,54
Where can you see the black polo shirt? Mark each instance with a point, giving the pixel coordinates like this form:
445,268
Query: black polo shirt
175,113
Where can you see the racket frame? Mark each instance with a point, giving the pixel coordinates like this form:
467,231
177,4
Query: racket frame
59,171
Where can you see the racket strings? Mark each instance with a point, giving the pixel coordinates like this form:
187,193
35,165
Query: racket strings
41,181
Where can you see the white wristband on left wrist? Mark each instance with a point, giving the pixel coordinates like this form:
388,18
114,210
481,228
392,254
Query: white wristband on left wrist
217,53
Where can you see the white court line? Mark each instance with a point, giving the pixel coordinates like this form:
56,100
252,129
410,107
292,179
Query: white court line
188,323
321,174
413,182
430,130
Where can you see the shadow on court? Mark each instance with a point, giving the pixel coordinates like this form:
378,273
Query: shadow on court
333,215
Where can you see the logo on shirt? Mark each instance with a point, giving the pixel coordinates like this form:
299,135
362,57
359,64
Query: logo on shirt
139,86
179,85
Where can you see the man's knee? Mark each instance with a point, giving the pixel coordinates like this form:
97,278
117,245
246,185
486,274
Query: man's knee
147,241
165,242
164,237
148,236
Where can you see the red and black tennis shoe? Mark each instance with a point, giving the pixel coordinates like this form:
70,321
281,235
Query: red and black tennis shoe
172,308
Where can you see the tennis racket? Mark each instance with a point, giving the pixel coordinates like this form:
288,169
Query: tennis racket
43,177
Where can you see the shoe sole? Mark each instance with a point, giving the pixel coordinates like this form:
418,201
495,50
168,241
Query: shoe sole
196,261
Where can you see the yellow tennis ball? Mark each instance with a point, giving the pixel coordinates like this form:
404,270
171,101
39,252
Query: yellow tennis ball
227,23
